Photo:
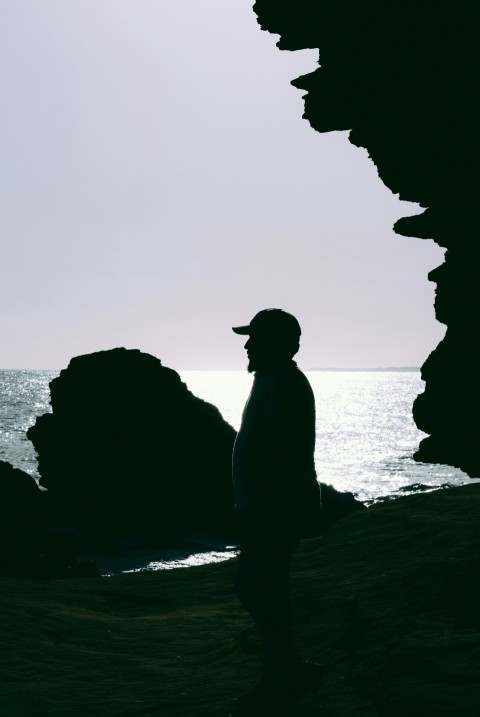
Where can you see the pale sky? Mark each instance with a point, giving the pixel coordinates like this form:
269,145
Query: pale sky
158,185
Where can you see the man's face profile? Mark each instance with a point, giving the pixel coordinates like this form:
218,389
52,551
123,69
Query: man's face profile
263,351
274,337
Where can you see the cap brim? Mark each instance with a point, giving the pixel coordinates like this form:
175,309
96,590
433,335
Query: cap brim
242,330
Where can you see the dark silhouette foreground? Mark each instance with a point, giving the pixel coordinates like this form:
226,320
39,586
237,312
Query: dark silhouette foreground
392,612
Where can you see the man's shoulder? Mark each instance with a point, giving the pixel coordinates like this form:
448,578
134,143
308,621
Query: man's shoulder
292,384
295,376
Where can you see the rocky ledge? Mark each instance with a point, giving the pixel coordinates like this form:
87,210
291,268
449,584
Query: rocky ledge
387,601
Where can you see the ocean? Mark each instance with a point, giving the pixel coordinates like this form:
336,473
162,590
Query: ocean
365,431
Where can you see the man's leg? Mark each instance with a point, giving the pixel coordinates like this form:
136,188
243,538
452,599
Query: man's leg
263,587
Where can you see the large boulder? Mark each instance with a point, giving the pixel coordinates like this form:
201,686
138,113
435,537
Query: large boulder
128,450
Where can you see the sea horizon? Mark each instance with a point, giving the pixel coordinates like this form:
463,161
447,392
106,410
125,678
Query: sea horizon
313,368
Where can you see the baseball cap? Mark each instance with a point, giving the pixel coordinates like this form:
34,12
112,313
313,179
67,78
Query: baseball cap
273,322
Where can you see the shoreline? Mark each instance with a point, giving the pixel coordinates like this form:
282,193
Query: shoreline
387,599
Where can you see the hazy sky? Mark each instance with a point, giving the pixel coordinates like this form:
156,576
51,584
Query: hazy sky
158,185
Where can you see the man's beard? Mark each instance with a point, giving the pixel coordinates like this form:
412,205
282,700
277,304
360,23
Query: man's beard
258,364
266,363
255,363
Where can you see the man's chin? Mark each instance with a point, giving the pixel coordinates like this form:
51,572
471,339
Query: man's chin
256,365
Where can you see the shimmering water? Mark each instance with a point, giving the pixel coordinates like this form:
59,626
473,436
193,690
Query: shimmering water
365,436
24,395
365,432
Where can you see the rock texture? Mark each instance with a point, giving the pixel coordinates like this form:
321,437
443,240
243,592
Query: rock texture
387,601
128,450
401,77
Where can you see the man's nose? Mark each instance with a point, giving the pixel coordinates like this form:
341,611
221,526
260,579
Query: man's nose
246,345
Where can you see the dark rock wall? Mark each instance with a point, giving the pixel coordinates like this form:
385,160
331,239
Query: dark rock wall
128,450
402,77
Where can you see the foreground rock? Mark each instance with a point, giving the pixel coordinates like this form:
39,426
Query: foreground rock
380,79
22,520
28,548
387,600
335,505
129,451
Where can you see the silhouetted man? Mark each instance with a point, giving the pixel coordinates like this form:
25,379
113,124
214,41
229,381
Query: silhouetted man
277,496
